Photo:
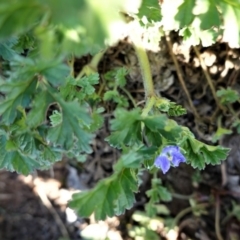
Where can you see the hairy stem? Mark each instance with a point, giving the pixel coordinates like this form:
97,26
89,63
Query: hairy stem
148,106
145,69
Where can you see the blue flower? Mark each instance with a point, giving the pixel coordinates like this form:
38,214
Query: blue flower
170,155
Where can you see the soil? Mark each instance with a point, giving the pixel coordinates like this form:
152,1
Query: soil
205,203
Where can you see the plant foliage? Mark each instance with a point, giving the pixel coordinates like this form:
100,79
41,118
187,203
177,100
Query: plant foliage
47,110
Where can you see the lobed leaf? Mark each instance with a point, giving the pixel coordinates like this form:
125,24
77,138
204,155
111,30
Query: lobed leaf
37,114
210,16
13,160
185,13
74,119
17,94
111,196
126,128
228,95
199,154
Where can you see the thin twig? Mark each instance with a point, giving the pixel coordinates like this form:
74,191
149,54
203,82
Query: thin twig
180,76
129,96
209,80
217,219
188,210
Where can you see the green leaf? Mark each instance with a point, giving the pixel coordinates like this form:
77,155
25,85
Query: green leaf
6,49
131,160
185,13
158,192
116,77
37,114
125,188
70,90
50,154
69,15
155,123
97,119
74,119
55,118
126,128
163,126
214,154
17,94
150,9
13,160
26,143
86,83
120,77
199,154
176,110
55,72
10,145
220,133
17,17
210,16
111,196
228,95
110,95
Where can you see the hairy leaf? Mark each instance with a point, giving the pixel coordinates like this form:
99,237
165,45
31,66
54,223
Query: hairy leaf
17,94
111,196
126,128
74,119
199,154
120,77
159,126
14,160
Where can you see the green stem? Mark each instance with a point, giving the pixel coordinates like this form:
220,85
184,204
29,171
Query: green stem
145,69
96,59
188,210
149,104
129,96
71,65
93,65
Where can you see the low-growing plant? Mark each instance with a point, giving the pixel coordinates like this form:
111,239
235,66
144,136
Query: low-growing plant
48,111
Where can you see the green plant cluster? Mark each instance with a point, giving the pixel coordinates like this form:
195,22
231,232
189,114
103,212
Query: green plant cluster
47,111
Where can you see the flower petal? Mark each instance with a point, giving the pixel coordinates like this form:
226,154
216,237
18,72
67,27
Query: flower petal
170,149
162,162
177,158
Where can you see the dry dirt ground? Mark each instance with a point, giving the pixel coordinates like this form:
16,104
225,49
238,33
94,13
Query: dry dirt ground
205,205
